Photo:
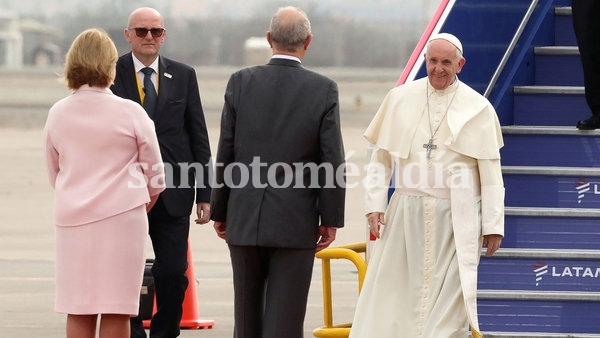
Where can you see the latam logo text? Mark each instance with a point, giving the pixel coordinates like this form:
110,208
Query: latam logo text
541,270
585,187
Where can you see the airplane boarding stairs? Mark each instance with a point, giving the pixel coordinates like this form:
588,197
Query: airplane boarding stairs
545,280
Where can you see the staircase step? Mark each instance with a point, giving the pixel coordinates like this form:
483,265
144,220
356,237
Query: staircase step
550,146
560,187
551,170
539,312
533,270
551,228
563,31
539,295
570,72
538,335
549,105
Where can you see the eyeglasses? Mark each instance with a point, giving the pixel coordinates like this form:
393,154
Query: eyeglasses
143,32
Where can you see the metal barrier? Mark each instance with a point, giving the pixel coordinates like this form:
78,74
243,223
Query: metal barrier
351,253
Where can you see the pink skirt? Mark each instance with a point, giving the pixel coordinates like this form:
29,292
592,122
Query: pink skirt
100,265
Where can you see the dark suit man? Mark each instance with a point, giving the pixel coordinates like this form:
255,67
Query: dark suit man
183,138
277,197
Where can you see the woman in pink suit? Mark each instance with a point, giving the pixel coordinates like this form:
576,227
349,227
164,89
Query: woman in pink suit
105,166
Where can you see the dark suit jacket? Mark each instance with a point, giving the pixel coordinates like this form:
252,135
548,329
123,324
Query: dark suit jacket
285,117
180,128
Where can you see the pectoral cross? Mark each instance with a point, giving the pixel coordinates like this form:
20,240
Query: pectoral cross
430,146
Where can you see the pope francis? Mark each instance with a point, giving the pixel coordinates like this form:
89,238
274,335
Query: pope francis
440,141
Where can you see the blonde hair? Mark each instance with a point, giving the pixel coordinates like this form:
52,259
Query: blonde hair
91,60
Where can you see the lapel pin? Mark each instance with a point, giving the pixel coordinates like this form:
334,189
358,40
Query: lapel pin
167,75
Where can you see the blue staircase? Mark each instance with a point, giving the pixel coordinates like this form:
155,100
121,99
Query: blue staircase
545,281
522,55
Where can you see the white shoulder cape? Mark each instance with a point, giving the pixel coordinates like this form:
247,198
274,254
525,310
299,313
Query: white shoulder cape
473,122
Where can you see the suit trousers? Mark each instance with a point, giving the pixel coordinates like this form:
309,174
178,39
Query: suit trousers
270,290
587,31
169,236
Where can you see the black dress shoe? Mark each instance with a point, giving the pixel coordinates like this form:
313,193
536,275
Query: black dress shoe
589,124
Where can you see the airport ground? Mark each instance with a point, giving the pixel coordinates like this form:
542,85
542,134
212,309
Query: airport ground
26,202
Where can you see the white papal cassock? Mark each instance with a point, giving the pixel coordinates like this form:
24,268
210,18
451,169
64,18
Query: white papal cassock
422,276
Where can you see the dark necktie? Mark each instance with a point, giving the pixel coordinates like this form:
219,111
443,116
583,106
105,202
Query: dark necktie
150,93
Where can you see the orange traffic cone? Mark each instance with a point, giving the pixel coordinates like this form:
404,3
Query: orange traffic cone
190,318
191,313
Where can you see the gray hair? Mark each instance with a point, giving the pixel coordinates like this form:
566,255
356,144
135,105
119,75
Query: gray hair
287,33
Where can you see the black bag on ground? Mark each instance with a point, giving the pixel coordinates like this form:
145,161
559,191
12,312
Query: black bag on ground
147,292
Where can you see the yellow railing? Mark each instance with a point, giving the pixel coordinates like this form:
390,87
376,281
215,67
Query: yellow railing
351,253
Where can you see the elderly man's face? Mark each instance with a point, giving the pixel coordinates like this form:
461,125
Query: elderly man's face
443,63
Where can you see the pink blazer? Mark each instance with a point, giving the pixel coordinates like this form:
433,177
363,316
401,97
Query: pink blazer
102,156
